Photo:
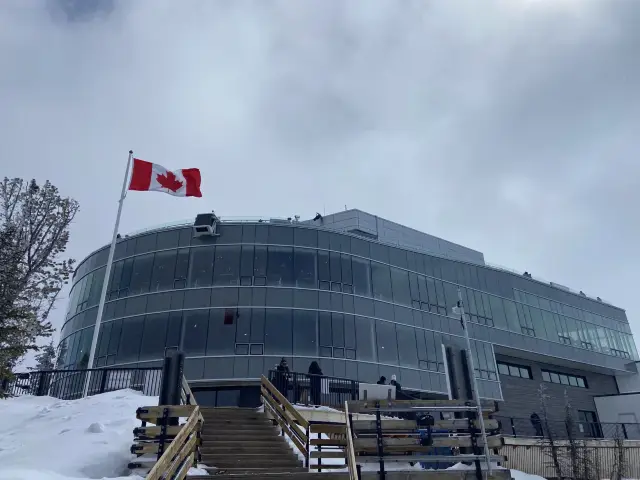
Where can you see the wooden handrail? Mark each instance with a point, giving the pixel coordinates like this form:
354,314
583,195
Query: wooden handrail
286,416
181,449
350,453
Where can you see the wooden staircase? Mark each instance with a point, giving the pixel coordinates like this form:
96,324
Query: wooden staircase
243,443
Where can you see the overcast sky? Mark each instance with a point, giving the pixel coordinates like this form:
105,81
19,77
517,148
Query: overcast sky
510,126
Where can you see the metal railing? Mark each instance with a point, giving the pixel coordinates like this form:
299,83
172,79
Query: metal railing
306,389
524,427
69,384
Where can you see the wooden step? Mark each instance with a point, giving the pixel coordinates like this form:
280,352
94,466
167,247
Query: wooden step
266,448
246,435
214,427
250,461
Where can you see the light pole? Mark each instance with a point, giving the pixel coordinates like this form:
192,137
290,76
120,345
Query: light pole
459,309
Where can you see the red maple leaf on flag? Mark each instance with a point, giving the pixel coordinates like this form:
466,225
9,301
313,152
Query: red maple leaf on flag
169,181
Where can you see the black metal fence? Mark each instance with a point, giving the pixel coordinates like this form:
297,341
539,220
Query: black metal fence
69,384
524,427
305,389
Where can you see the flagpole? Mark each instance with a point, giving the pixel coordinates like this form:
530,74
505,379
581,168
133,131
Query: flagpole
107,274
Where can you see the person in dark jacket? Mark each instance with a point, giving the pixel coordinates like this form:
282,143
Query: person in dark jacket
537,424
282,377
315,383
395,383
382,381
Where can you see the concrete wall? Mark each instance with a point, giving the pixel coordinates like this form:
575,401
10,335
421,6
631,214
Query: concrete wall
522,398
359,222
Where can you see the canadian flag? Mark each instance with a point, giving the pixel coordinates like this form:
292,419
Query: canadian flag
151,177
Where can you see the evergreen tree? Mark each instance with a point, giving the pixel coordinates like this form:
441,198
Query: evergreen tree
46,359
34,232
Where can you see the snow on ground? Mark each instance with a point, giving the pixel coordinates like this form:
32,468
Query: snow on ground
50,439
44,438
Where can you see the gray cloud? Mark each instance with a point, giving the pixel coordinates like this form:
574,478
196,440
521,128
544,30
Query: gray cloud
508,125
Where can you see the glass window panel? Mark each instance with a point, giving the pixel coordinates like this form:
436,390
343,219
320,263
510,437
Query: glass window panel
146,243
304,262
511,313
248,234
125,278
222,331
278,332
324,271
407,348
168,239
564,380
306,237
279,297
364,339
545,376
262,233
479,304
524,373
397,257
514,371
360,247
226,270
154,336
379,252
130,340
304,333
442,301
163,270
503,369
260,261
324,328
361,276
381,280
195,332
305,299
346,269
400,286
581,382
555,378
573,381
257,325
103,341
431,287
280,235
335,267
174,329
246,261
538,324
387,342
136,305
243,325
182,264
337,329
280,266
114,340
141,275
349,332
201,269
197,298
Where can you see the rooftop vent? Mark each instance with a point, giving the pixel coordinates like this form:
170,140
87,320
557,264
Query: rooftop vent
206,225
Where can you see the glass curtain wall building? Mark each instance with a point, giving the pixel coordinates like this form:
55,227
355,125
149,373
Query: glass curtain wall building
334,291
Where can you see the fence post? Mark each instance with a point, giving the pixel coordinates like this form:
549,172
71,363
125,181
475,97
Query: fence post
172,372
103,381
513,427
354,391
42,384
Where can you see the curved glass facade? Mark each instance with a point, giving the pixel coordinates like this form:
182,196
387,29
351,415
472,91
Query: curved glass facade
237,303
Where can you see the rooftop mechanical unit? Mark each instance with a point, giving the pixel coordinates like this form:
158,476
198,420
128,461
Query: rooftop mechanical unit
206,225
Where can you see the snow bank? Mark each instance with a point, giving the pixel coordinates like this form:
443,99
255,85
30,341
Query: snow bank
43,438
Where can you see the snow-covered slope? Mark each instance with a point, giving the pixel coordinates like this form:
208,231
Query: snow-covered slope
43,438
